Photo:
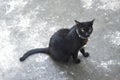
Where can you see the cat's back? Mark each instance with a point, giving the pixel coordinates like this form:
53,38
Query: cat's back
58,37
61,33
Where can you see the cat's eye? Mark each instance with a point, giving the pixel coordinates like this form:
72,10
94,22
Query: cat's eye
82,30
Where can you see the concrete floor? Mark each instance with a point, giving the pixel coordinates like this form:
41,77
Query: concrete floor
28,24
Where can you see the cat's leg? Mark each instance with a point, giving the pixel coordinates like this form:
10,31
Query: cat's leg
75,57
66,60
60,56
85,54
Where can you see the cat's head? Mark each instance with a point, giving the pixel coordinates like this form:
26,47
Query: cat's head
84,29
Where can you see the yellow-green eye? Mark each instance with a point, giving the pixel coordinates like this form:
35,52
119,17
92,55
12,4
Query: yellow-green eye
82,30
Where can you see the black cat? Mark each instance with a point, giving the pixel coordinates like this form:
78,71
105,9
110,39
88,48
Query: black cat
66,43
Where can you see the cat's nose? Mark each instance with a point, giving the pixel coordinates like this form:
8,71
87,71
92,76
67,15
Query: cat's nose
86,34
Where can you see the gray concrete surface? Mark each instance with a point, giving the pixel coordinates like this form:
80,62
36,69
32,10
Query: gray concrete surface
27,24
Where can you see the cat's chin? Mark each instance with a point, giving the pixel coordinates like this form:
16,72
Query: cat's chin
80,36
86,37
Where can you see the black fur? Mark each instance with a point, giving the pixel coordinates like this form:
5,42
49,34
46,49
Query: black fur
66,43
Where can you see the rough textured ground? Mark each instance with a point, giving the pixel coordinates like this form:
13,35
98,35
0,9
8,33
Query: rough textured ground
27,24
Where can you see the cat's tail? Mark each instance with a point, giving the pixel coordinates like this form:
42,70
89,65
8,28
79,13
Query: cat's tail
34,51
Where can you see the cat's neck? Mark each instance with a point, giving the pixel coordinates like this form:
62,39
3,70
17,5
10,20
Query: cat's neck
79,35
73,33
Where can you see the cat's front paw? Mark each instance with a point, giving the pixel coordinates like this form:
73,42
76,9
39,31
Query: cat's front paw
86,54
77,61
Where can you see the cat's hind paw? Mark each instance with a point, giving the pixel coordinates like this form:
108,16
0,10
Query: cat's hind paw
77,61
86,54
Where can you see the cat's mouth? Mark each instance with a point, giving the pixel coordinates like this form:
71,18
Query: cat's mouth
80,36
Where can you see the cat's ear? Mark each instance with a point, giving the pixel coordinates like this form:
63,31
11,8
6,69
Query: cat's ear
91,22
77,22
